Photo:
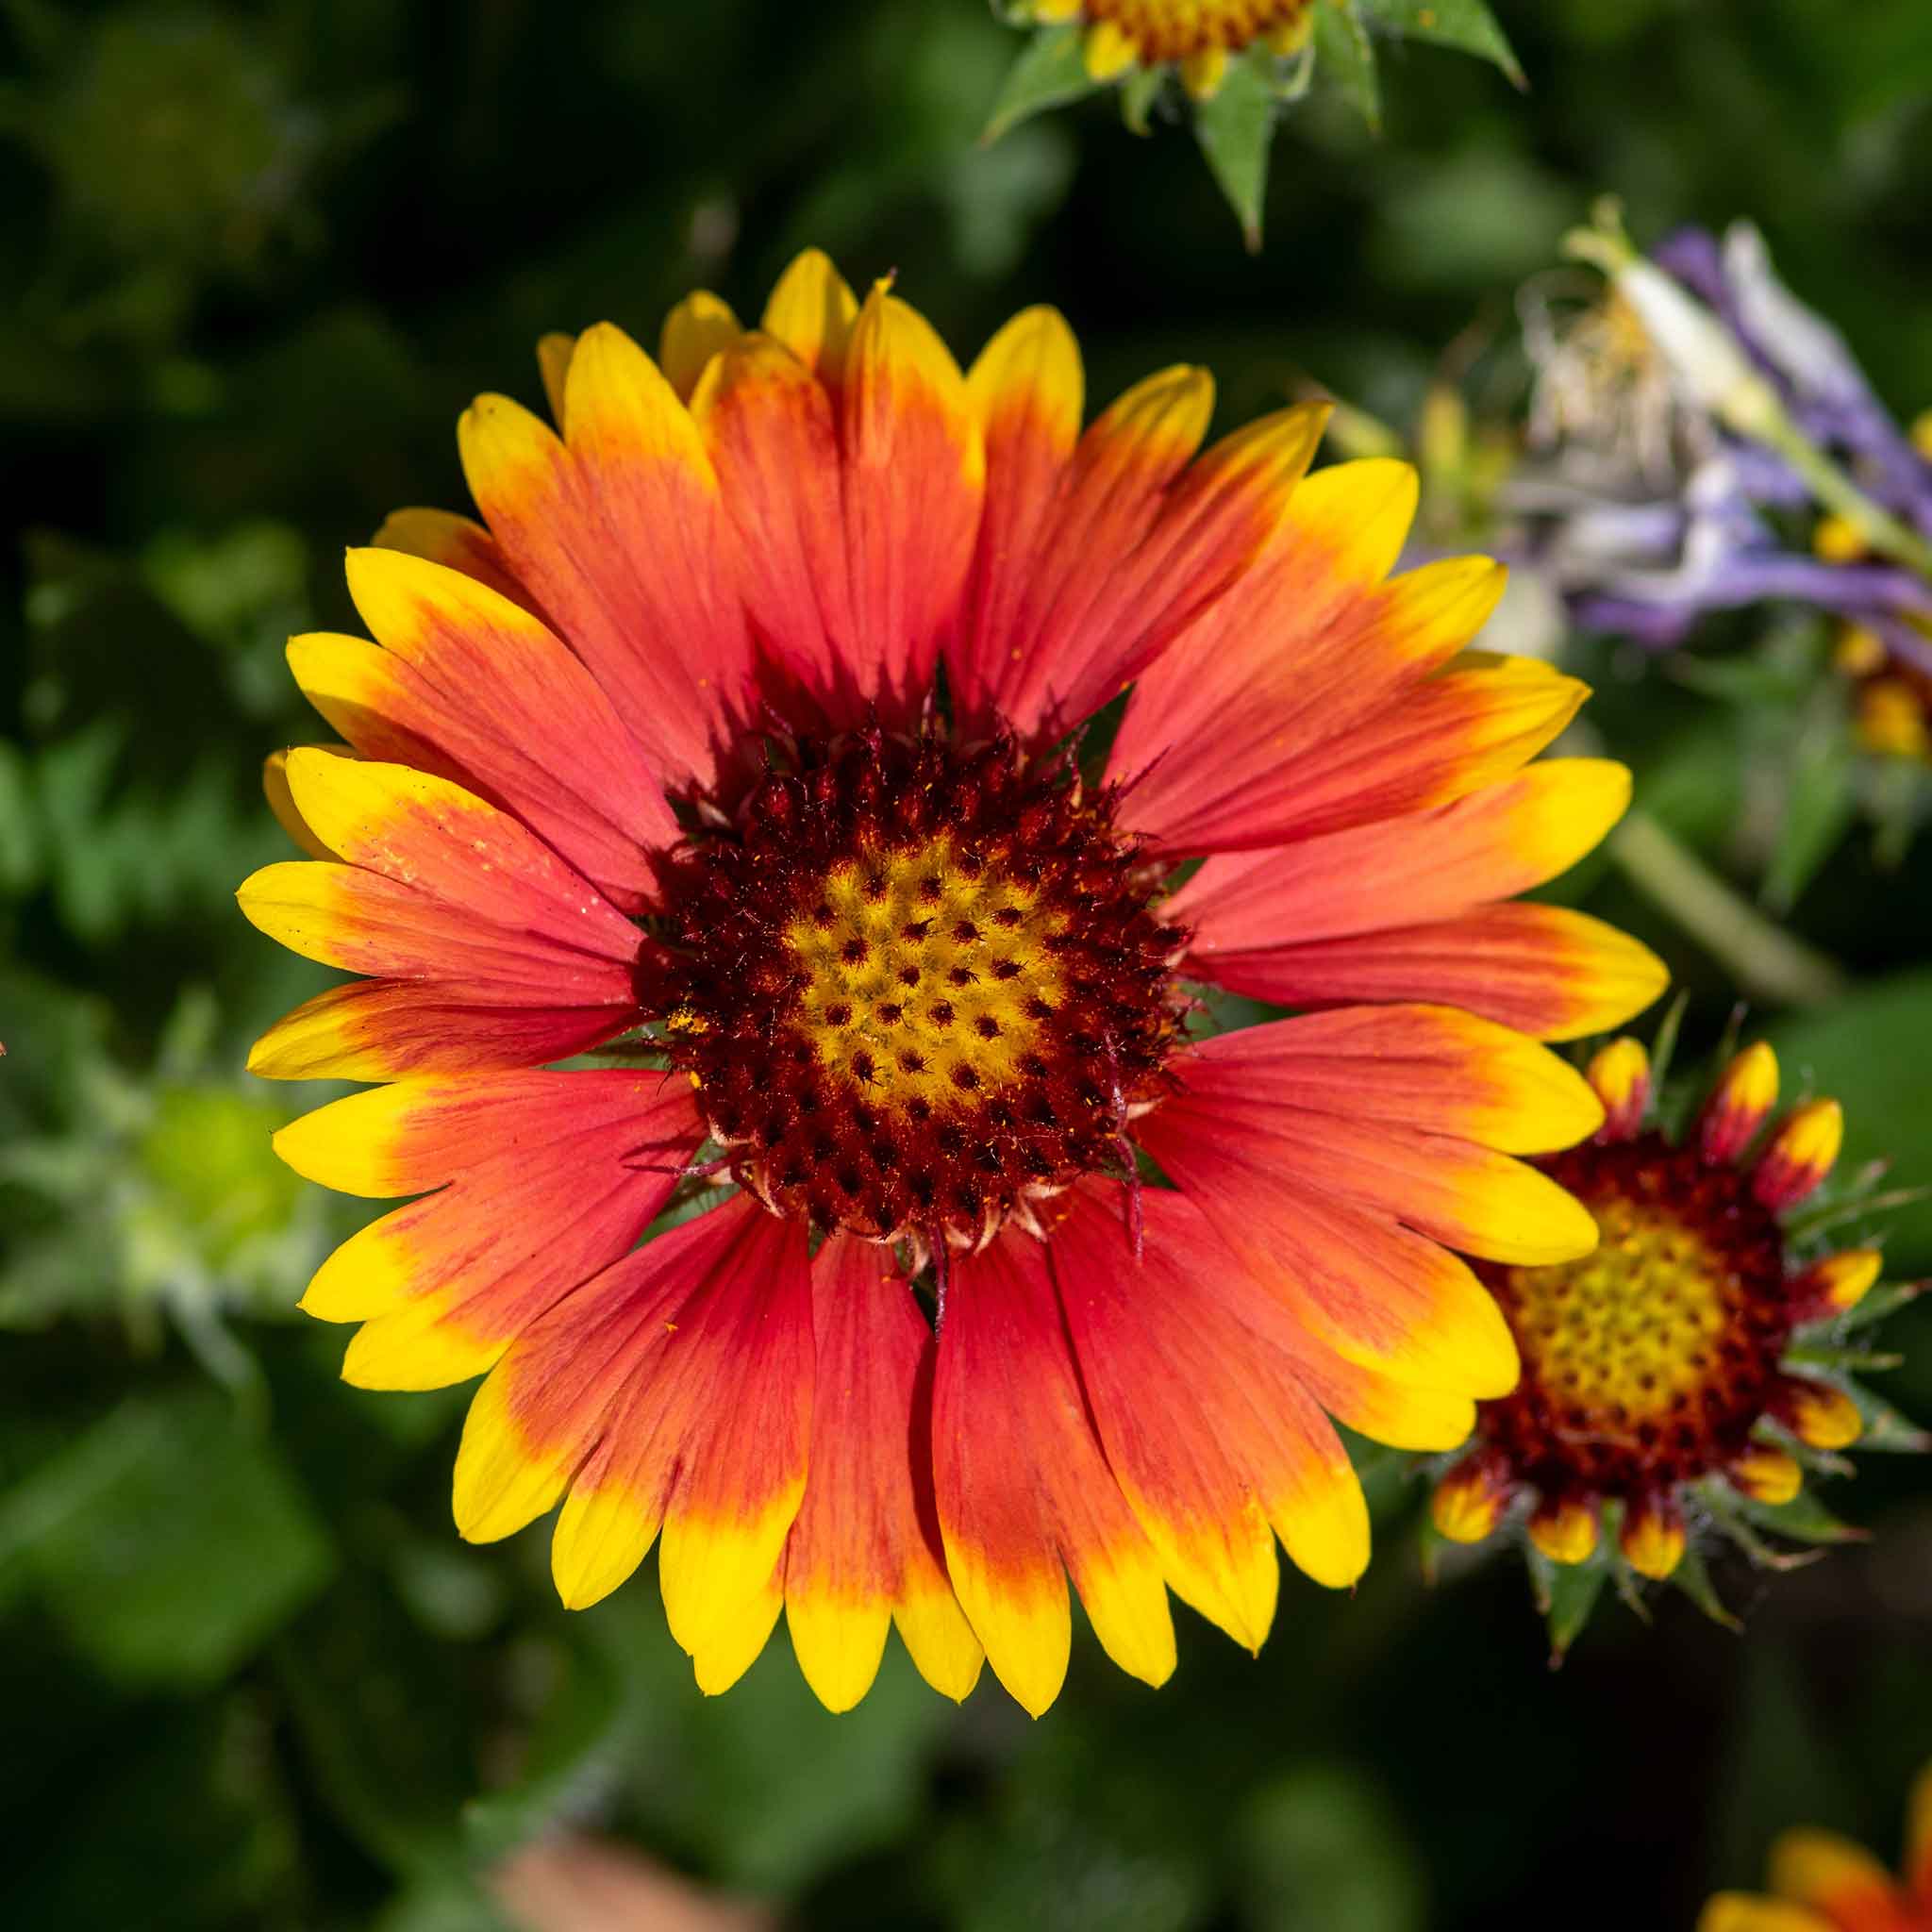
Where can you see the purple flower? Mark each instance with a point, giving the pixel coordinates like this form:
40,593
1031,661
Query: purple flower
1648,554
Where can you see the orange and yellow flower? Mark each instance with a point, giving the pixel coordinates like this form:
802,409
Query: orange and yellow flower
1679,1372
1195,37
746,750
1824,1883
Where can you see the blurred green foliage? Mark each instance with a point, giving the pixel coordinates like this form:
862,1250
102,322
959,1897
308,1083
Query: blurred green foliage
253,260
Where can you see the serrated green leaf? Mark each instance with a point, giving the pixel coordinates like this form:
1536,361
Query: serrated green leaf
1345,54
1236,129
1465,24
1049,74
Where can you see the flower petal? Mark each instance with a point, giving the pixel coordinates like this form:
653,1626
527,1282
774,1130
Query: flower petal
456,543
1018,1501
473,688
448,893
1208,1428
1112,495
274,788
556,1177
698,328
1835,1877
812,311
866,1543
554,353
1311,1202
431,837
1918,1857
674,1389
1137,580
385,1030
1309,646
364,923
1405,871
1028,391
620,536
1546,970
1737,1911
914,478
772,434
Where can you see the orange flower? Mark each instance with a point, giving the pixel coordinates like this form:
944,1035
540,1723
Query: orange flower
748,745
1824,1883
1662,1375
1197,36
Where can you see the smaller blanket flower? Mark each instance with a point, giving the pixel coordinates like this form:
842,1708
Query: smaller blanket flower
1689,1369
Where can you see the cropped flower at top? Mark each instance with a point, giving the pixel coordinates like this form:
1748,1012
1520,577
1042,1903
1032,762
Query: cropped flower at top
1825,1883
745,751
1197,37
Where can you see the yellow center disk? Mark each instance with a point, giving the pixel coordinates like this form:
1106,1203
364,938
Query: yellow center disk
923,983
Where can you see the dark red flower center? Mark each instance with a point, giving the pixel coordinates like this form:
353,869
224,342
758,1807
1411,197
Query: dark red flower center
1647,1361
915,984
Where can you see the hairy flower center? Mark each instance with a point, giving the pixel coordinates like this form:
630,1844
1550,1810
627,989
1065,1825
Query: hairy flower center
1650,1359
915,986
1164,30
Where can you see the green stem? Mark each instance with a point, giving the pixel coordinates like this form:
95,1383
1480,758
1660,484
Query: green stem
1881,530
1762,958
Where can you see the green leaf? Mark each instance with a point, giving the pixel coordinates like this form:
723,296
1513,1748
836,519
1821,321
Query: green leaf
1804,1520
168,1541
1049,74
1236,129
1885,1427
1465,24
184,1812
1694,1578
1821,803
1345,54
1867,1050
1139,93
1566,1593
772,1789
1322,1846
588,1727
381,1709
1885,1300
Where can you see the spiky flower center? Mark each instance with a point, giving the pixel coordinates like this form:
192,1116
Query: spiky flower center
916,986
1648,1362
1163,30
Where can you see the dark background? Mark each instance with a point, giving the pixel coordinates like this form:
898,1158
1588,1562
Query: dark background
253,262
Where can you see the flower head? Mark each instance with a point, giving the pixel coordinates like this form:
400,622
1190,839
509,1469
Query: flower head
1232,64
1684,1370
747,751
1195,35
1824,1883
